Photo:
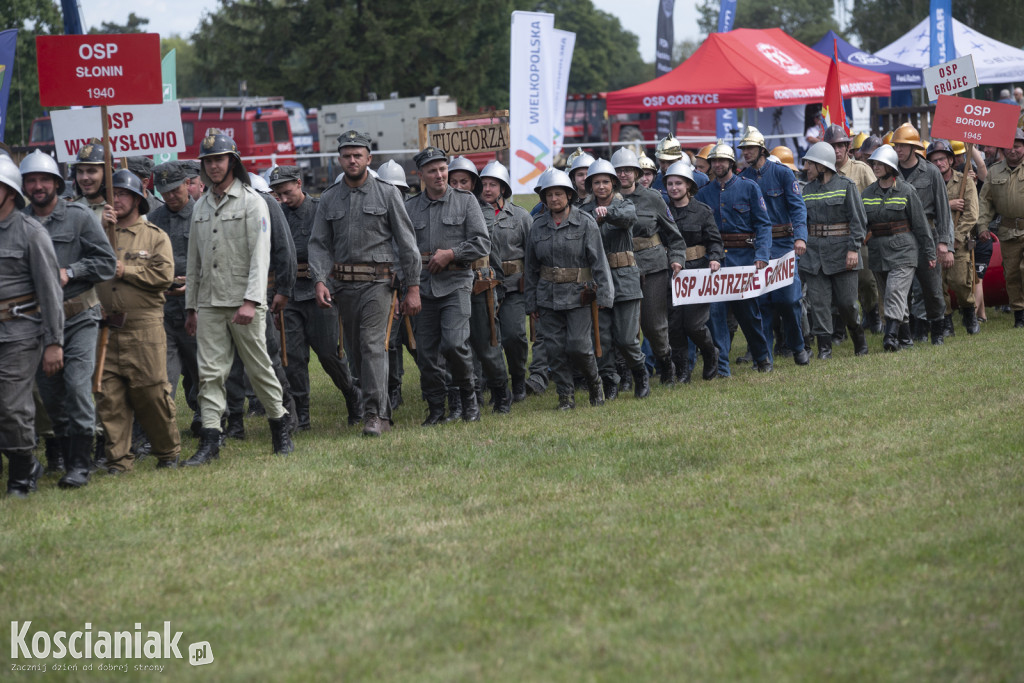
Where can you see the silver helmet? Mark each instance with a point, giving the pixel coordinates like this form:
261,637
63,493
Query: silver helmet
495,169
584,160
602,167
625,158
683,170
10,177
392,172
543,178
822,153
557,178
886,155
464,164
258,182
40,162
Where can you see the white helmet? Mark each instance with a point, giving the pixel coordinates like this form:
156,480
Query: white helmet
886,155
495,169
11,177
583,160
258,182
602,167
682,170
557,178
40,162
626,158
822,153
392,172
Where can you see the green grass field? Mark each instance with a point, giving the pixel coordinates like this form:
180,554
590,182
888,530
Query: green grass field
856,520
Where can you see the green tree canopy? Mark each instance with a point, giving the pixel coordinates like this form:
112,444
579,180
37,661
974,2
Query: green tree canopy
32,18
805,20
134,24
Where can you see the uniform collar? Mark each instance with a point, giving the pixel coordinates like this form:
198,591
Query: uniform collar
134,227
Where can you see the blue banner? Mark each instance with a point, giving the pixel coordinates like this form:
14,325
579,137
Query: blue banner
8,42
940,26
725,119
663,56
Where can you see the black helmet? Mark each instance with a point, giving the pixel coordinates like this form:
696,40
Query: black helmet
216,143
940,146
126,180
835,134
869,145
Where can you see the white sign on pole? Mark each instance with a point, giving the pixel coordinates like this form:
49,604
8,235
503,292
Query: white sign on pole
861,121
951,77
135,129
532,90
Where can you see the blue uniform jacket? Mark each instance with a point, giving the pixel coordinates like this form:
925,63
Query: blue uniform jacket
739,207
784,201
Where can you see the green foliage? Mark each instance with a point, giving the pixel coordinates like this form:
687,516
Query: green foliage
135,24
805,20
880,22
32,18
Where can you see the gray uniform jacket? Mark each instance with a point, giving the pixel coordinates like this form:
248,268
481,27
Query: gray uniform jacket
617,236
28,265
282,248
300,220
898,203
652,218
575,243
696,223
509,232
837,201
365,224
452,222
80,244
228,249
931,190
176,225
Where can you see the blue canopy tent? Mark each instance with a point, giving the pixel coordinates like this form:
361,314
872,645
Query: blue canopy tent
901,76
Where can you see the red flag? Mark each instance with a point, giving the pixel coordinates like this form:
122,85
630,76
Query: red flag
832,109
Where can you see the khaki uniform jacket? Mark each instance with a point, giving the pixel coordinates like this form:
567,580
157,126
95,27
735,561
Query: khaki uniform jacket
575,243
837,201
228,249
148,258
857,171
1003,195
28,265
452,222
969,217
898,203
617,236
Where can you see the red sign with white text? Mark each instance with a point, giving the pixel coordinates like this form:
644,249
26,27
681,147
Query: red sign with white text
976,121
99,69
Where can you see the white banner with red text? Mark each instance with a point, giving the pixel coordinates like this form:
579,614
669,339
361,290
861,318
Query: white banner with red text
135,129
701,286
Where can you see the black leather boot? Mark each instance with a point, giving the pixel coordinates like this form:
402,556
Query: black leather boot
395,398
596,389
860,342
1018,318
919,328
79,459
684,371
937,327
611,389
209,448
947,329
905,336
56,450
518,389
625,377
23,472
435,414
710,358
970,317
280,437
302,422
470,406
454,405
666,371
354,406
838,330
825,346
99,460
566,402
502,400
256,408
641,382
236,426
890,341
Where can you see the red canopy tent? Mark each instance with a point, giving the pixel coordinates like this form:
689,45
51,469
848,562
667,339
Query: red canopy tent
746,68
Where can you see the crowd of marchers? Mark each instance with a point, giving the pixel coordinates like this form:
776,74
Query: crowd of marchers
110,298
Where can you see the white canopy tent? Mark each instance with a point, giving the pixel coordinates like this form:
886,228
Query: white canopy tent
994,62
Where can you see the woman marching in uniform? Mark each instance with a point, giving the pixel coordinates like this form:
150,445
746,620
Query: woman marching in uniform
897,230
696,223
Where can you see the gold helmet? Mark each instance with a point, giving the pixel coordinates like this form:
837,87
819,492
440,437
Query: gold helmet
887,139
858,141
703,152
721,151
752,138
785,155
647,164
958,147
907,135
669,149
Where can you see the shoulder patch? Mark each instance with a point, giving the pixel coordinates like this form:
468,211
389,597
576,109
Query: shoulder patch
760,201
796,187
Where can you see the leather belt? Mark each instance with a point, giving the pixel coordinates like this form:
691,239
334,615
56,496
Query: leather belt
303,271
475,265
12,308
641,243
621,259
361,272
782,230
694,253
512,267
887,229
82,302
561,276
738,240
828,229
